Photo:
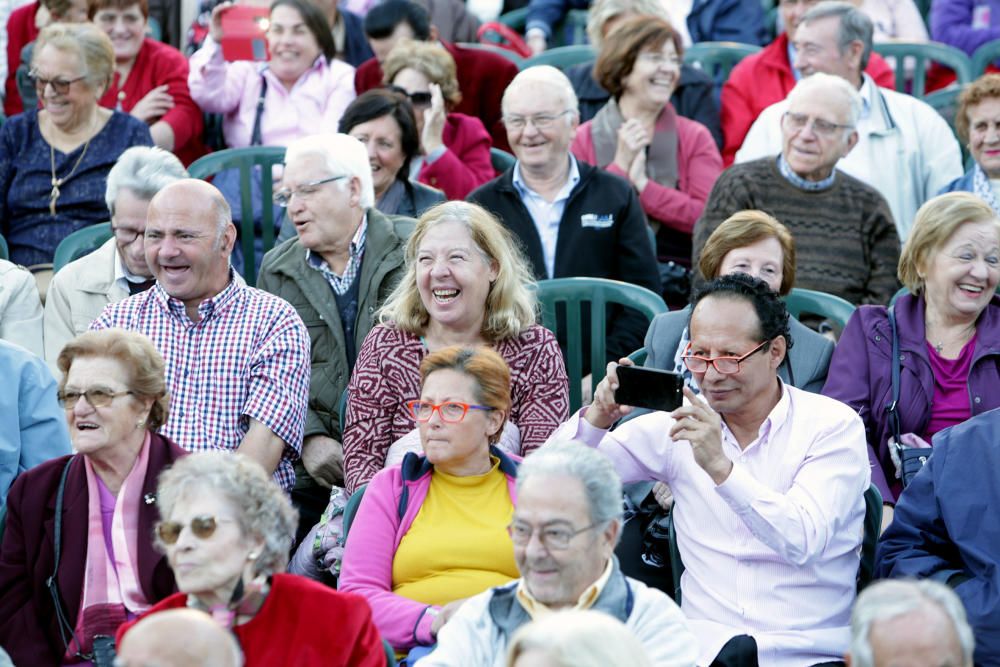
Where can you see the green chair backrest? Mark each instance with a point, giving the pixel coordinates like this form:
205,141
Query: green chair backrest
245,159
945,102
571,30
984,56
390,655
154,29
717,59
494,48
831,307
80,243
562,57
4,250
501,160
351,508
598,293
873,528
921,55
639,356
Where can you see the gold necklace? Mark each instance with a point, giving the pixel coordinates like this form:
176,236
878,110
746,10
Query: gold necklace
56,182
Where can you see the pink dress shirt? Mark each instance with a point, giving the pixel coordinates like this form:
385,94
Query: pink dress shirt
314,104
772,551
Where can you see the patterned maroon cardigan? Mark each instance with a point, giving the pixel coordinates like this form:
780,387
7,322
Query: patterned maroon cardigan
387,374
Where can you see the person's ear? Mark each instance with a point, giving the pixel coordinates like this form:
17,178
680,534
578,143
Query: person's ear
355,187
433,35
611,532
494,422
777,351
852,140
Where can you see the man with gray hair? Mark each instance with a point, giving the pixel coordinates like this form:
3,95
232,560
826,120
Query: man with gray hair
567,520
572,218
343,264
237,358
845,239
913,623
905,149
82,288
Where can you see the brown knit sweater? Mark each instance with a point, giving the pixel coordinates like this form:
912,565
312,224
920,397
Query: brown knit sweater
845,238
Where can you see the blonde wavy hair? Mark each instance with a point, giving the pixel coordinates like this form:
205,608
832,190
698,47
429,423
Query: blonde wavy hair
430,59
511,305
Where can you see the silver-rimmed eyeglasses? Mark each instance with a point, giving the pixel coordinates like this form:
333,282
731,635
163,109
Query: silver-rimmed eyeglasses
283,197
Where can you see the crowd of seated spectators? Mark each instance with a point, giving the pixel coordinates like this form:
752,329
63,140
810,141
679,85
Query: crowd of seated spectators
367,453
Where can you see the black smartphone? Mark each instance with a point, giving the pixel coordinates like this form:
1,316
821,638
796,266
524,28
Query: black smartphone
650,388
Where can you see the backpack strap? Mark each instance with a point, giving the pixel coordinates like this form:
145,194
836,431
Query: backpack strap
255,139
892,410
65,627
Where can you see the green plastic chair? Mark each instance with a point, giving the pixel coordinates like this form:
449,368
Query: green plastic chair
717,59
79,243
945,102
245,159
809,301
154,29
866,567
494,48
598,293
390,655
571,30
639,356
922,55
563,57
4,250
501,160
985,56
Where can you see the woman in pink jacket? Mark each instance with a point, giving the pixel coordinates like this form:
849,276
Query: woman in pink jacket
670,160
454,148
432,531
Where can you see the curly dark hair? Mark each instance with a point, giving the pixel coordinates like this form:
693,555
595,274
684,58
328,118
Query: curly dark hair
771,311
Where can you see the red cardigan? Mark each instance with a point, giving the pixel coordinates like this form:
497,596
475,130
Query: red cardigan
157,64
763,79
302,624
482,78
465,165
21,31
698,166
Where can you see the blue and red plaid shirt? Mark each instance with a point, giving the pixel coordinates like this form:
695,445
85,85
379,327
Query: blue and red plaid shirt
247,357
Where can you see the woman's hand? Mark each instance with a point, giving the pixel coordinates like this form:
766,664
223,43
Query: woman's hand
604,411
637,172
632,140
445,615
215,24
432,136
663,495
700,425
887,513
152,107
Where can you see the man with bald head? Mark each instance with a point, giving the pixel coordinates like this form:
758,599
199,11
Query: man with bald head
845,238
237,358
154,642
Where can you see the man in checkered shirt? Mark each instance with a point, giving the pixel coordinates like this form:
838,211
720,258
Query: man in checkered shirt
237,358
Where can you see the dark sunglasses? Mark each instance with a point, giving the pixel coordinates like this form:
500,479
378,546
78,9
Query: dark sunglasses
422,100
203,527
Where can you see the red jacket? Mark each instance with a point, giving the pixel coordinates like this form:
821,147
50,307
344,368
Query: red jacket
482,78
157,64
763,79
466,163
21,31
302,624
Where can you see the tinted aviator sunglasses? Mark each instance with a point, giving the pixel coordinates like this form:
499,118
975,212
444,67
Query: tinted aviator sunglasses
202,527
418,99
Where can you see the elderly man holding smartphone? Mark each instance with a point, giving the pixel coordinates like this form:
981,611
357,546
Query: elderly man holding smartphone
768,481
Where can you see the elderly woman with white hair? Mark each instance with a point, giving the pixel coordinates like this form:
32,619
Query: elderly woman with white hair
909,623
576,638
226,529
345,249
117,269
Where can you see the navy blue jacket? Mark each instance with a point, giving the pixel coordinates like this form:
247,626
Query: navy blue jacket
945,526
356,48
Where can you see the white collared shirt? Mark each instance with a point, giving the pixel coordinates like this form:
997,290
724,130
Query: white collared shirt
545,214
773,551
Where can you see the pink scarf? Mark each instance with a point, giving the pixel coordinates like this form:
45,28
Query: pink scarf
111,590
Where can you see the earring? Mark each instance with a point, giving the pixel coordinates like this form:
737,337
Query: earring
253,555
140,424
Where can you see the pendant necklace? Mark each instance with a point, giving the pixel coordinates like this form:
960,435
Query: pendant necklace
56,182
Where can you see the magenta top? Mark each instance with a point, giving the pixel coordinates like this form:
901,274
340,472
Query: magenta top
950,405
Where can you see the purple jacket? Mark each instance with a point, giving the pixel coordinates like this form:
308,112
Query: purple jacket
965,24
861,375
375,535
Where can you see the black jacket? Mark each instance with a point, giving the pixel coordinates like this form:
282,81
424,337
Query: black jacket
619,251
